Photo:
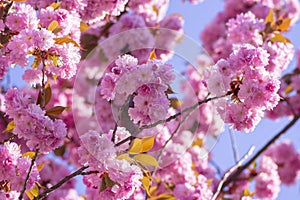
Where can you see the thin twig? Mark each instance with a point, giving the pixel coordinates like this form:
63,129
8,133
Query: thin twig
234,146
129,138
230,171
217,167
240,169
191,108
89,172
60,183
113,138
28,174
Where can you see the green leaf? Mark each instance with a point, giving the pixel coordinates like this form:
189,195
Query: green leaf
10,127
146,159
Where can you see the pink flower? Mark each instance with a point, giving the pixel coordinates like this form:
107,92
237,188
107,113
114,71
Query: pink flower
267,182
14,167
287,158
32,124
245,28
22,17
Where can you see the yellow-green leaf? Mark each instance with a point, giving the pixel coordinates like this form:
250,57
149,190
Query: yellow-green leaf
53,25
247,193
152,55
54,77
54,59
136,146
284,25
67,40
146,183
10,127
29,154
37,61
155,9
175,103
124,156
40,167
55,5
34,192
270,17
84,26
164,196
147,143
146,159
279,38
288,89
198,142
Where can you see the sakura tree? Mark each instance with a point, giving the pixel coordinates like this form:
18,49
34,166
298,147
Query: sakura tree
103,104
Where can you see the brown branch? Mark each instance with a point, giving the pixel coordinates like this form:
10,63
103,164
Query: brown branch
191,108
233,175
230,171
60,183
28,174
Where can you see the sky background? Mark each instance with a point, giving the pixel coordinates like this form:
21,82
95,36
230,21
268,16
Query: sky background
196,17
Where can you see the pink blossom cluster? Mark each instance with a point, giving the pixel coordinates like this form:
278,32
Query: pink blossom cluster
142,36
31,123
99,153
51,173
30,37
252,87
148,89
96,11
289,92
151,10
218,36
14,168
189,182
267,182
195,90
287,159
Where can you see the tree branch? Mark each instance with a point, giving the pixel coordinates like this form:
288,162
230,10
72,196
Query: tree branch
233,175
191,108
234,146
28,174
229,172
60,183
